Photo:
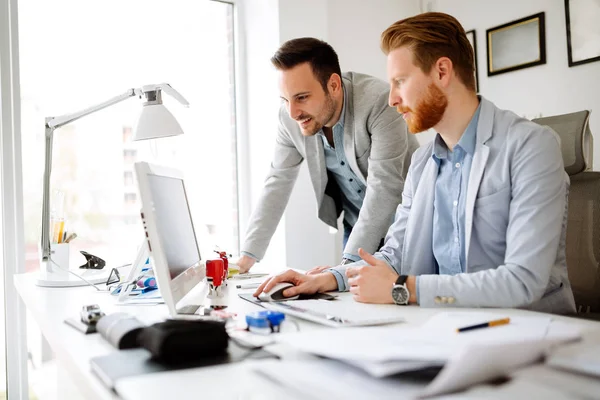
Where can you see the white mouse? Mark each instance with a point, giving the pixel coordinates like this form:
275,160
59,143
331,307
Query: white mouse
276,293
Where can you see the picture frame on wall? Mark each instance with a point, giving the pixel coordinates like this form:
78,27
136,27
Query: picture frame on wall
516,45
583,31
473,40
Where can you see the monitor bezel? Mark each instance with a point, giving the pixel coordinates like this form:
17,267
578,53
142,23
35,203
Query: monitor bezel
172,290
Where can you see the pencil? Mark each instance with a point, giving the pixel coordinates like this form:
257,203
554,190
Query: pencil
496,322
61,227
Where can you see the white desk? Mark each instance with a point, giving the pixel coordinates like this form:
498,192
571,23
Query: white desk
51,306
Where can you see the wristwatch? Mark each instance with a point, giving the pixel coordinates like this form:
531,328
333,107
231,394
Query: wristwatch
400,292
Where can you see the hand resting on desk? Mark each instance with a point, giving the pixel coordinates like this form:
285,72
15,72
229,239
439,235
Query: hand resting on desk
303,284
317,270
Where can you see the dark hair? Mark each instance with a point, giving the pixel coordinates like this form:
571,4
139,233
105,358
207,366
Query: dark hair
322,58
430,36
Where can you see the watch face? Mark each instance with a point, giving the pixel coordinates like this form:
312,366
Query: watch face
400,294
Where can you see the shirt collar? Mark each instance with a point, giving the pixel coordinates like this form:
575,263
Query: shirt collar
469,138
467,141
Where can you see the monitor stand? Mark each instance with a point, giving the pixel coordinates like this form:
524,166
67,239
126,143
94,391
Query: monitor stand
136,269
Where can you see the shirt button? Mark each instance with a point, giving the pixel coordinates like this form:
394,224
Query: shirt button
351,179
457,165
359,191
343,163
455,203
456,239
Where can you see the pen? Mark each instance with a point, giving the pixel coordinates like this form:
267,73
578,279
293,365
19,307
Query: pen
496,322
248,286
247,276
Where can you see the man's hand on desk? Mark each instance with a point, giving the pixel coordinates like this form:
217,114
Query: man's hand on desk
317,270
373,283
245,263
303,284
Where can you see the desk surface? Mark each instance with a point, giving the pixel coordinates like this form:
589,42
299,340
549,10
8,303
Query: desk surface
51,306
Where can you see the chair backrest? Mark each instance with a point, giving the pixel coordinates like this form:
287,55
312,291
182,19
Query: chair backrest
583,241
576,139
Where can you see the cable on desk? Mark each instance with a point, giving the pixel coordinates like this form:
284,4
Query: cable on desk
78,276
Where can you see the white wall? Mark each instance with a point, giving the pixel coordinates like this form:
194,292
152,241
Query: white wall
352,27
549,89
259,38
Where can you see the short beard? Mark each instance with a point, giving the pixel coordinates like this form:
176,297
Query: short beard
429,110
324,117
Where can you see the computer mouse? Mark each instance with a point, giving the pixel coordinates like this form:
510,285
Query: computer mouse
276,293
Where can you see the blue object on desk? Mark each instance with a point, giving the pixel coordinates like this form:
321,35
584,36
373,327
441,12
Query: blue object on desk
264,321
147,282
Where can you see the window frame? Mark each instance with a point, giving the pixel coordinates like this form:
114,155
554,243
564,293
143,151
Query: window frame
11,189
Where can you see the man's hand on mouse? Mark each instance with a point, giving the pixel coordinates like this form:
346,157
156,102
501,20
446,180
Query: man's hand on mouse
303,284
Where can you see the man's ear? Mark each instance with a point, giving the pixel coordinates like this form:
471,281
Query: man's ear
335,83
443,70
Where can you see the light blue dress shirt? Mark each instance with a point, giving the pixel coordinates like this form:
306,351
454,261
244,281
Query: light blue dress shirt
454,167
351,187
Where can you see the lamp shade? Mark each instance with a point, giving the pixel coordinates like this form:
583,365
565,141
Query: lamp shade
155,122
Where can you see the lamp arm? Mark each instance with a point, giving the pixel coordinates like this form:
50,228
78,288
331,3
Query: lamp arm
51,125
57,122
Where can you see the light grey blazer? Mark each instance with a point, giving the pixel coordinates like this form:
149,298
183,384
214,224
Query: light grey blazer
378,148
515,221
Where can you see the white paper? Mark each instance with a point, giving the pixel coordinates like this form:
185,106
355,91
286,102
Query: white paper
328,379
388,368
436,340
374,344
481,362
468,357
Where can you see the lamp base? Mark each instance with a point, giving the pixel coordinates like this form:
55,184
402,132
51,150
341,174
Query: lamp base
64,279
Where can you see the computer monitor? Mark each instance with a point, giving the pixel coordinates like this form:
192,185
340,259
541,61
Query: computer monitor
169,231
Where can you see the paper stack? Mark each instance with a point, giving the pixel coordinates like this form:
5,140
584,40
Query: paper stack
467,358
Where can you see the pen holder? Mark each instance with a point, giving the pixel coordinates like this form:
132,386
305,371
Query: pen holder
59,253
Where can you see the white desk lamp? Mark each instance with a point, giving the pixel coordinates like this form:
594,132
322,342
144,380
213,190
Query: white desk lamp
155,121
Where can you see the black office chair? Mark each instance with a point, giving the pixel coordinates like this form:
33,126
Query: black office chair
583,226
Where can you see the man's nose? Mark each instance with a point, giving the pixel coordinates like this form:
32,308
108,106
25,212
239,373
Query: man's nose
294,111
393,99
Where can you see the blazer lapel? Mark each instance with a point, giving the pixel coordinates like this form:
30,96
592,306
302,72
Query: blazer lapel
315,158
349,149
417,251
484,133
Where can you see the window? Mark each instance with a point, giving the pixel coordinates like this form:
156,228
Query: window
76,54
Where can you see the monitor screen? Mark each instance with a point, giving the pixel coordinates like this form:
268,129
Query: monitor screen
174,223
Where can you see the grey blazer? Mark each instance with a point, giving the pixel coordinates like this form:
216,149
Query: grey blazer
515,222
378,148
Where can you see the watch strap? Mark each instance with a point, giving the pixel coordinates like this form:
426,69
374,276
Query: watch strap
401,279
